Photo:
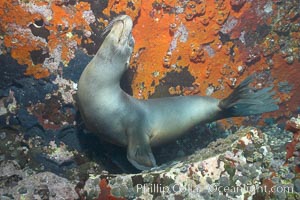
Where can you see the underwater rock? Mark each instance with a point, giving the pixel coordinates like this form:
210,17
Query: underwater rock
237,4
292,148
36,131
297,185
246,19
2,135
26,120
10,175
220,168
76,66
30,91
70,136
45,185
59,154
10,70
230,166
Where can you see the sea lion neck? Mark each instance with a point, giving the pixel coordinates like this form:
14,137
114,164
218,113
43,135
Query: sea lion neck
114,54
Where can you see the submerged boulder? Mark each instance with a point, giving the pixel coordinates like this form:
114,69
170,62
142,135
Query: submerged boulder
247,164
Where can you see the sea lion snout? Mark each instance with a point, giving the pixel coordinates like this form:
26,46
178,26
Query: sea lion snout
119,38
120,30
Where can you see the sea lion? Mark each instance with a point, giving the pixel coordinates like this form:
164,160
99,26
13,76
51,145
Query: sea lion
139,124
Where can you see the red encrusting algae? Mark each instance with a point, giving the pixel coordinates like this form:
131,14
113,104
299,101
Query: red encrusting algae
105,191
291,150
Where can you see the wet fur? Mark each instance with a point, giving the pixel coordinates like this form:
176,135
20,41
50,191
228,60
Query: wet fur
139,124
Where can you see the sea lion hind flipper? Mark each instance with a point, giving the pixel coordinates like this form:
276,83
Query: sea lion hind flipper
243,101
139,151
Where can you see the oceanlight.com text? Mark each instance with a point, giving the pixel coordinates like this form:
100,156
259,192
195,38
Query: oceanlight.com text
177,188
251,188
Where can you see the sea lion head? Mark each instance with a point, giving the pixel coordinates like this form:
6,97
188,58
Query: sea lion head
119,38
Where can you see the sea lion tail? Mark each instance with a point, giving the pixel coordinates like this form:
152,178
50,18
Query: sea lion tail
243,101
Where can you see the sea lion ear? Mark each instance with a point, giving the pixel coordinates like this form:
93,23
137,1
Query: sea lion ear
139,152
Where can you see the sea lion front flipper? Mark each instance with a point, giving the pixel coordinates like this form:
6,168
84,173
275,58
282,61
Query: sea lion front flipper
139,151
